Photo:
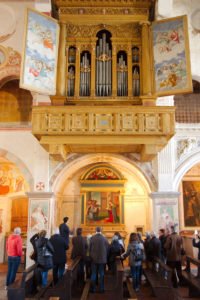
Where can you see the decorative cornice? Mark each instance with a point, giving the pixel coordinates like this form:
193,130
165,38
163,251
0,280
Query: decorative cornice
103,3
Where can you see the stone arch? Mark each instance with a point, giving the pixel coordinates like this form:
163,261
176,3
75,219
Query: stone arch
184,167
78,161
65,184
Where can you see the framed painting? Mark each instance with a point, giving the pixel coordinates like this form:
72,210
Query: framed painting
191,203
102,208
39,215
171,60
39,61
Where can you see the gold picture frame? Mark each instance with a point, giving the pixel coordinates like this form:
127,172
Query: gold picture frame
40,54
171,56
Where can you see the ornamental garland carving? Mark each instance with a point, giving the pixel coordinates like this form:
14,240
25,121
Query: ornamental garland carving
185,146
123,31
103,11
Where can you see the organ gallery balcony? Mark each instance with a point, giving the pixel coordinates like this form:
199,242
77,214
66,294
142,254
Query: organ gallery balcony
104,129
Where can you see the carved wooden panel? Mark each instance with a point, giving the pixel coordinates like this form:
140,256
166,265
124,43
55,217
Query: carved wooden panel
98,120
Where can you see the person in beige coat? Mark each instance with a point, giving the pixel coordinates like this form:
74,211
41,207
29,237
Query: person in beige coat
174,248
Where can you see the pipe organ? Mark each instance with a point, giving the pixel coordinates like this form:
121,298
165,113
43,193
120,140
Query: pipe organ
105,89
103,63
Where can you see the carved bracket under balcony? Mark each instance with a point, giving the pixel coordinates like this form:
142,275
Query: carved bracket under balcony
83,129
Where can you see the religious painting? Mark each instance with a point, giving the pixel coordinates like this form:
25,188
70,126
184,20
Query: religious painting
191,203
39,215
172,71
102,208
39,61
11,179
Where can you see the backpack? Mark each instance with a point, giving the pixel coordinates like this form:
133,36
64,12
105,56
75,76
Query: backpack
137,254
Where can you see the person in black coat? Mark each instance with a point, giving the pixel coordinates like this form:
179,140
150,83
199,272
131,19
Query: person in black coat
33,240
79,247
196,243
154,247
44,255
59,255
64,230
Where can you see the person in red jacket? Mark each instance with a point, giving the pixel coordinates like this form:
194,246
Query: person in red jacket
14,251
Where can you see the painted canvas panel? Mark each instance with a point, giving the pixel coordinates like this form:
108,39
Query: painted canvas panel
172,72
102,208
39,63
39,215
191,203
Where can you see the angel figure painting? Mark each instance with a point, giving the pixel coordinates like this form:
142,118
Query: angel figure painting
39,63
171,56
39,215
102,208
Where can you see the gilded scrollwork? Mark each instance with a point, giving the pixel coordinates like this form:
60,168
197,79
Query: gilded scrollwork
123,31
102,11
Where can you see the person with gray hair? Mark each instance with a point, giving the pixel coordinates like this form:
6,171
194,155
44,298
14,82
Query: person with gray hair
14,251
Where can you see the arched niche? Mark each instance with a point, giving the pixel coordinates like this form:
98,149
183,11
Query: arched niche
66,185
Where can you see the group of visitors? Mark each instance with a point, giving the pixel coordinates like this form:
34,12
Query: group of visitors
96,252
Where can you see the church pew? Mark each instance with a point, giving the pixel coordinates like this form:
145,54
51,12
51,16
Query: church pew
192,281
159,276
63,289
26,286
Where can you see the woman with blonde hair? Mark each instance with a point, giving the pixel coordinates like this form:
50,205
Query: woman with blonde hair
45,252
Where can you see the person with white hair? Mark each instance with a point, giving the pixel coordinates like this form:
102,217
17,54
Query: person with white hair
14,251
59,256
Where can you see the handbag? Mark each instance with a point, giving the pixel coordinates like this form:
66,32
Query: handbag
33,255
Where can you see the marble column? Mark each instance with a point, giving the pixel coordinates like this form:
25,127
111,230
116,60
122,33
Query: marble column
41,210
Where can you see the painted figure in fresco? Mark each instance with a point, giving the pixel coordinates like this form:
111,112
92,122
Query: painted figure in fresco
111,209
192,215
38,219
165,220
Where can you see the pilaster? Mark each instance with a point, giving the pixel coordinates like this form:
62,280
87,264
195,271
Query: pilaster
40,217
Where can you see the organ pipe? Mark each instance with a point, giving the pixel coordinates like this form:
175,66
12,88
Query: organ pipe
85,75
103,67
122,77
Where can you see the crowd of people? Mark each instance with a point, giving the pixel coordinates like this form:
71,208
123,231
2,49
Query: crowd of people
96,254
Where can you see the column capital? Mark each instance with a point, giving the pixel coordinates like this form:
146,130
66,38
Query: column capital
144,23
40,195
164,195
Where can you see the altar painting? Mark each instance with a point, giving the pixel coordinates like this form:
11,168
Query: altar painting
102,208
191,203
172,71
39,61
